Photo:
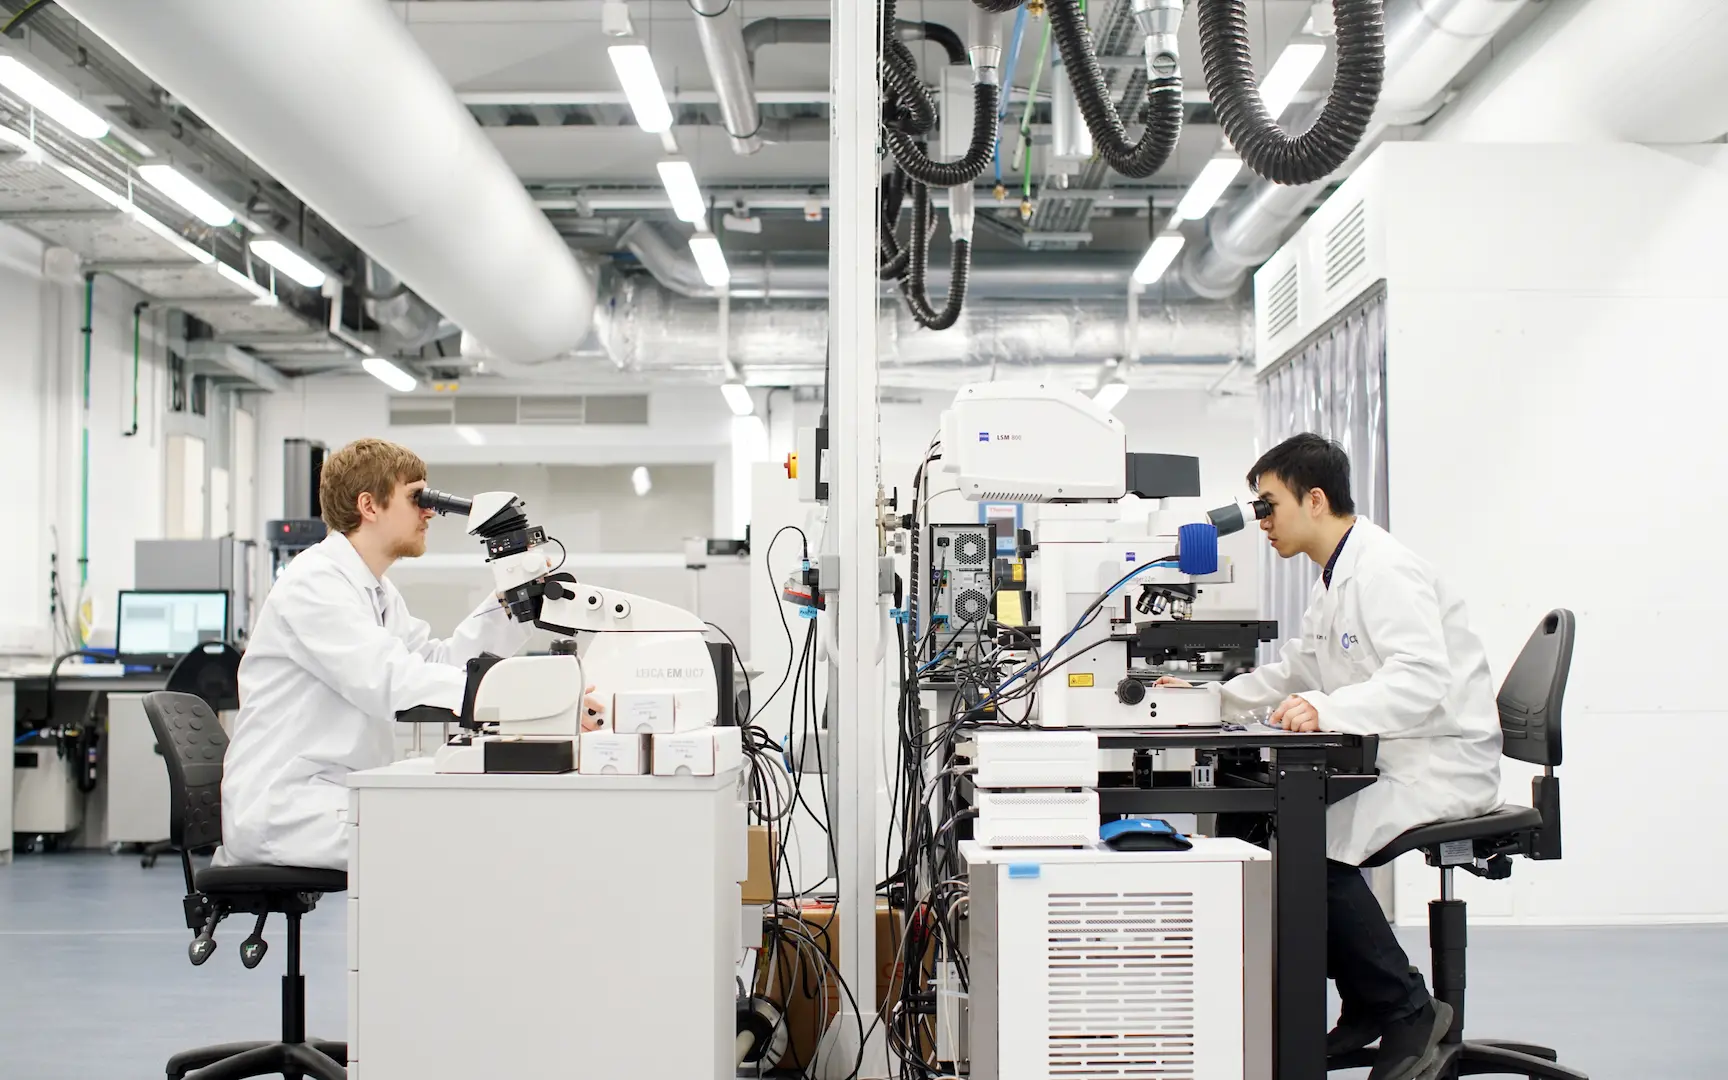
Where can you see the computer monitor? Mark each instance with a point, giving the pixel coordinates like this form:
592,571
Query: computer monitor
158,626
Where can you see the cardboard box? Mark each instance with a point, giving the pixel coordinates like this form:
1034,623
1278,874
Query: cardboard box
705,752
759,884
644,712
603,752
796,984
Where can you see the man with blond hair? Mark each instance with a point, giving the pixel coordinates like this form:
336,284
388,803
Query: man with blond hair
334,656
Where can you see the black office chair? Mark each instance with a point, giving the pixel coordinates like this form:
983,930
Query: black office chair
210,672
189,726
1529,703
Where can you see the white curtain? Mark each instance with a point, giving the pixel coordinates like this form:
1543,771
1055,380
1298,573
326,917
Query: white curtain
1335,385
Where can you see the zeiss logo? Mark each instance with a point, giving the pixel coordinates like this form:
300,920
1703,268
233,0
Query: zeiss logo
983,436
1347,640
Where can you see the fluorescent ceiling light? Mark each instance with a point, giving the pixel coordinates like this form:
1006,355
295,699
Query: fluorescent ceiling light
389,374
1289,74
290,262
1158,258
738,397
641,84
469,435
640,480
684,191
710,260
200,203
1111,394
1208,188
97,188
44,95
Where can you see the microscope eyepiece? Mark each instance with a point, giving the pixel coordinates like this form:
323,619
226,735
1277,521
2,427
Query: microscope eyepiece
443,502
1235,516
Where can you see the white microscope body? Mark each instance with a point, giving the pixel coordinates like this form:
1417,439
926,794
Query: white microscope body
1042,443
633,645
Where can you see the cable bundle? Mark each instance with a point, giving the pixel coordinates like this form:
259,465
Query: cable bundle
1162,113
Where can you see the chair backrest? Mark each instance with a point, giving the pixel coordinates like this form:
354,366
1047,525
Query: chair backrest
193,744
1534,689
210,671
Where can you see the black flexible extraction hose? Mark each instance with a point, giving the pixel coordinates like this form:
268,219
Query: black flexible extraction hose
906,104
941,35
1263,145
910,157
892,259
912,286
1162,112
999,7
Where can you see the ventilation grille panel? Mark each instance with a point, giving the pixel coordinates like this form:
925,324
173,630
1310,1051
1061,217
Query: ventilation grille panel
1122,991
1282,306
972,606
971,549
1346,246
565,409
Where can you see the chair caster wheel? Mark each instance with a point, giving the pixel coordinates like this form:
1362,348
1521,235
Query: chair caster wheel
201,950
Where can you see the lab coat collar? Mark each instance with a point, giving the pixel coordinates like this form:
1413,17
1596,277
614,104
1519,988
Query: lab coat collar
1359,536
340,551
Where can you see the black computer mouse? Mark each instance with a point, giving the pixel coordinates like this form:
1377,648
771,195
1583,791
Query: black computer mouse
1143,834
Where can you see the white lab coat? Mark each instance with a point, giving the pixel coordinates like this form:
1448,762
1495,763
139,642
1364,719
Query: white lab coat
328,666
1388,651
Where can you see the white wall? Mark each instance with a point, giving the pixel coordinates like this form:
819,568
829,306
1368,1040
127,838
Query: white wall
1555,391
41,421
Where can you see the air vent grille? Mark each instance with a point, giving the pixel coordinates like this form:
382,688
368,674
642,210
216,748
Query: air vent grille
566,409
971,549
1122,987
1346,247
1282,303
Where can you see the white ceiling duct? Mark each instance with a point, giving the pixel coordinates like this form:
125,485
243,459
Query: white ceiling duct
650,331
337,101
1604,71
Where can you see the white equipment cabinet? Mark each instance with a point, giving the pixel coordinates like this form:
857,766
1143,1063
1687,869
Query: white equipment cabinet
135,776
517,926
1099,964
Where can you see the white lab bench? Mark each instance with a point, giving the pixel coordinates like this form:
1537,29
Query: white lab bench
517,925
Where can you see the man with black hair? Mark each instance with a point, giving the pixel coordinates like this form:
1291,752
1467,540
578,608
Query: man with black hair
1385,649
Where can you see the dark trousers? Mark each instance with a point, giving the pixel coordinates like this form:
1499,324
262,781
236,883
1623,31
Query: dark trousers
1362,956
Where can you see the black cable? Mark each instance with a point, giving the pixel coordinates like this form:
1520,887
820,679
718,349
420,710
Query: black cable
31,10
911,157
912,286
1162,112
892,259
780,606
1227,57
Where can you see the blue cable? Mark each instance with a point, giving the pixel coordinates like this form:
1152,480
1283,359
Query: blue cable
26,737
1008,84
933,661
1123,580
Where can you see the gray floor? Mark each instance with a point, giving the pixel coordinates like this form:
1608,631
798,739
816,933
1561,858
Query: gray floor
96,985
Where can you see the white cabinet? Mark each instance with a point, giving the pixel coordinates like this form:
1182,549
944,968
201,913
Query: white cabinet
542,925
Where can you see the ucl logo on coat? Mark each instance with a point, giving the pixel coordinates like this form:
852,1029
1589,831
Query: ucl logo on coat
1347,640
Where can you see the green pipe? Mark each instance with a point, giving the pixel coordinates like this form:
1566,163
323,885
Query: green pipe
1026,118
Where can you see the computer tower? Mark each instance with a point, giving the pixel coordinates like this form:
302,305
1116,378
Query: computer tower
958,587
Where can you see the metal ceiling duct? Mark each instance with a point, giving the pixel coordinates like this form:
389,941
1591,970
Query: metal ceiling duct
1428,42
721,31
336,100
410,321
805,277
649,330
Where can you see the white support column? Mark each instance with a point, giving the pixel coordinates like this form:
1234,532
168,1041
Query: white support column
854,470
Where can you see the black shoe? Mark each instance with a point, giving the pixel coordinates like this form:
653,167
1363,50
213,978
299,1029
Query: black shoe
1350,1035
1410,1045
